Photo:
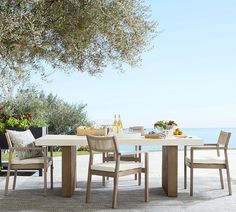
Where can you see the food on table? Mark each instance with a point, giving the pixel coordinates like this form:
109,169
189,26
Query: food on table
153,134
177,132
165,125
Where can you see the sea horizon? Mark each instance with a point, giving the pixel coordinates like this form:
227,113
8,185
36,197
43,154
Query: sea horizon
209,135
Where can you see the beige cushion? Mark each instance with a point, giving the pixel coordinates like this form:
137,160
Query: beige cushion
24,139
207,159
111,155
30,160
110,166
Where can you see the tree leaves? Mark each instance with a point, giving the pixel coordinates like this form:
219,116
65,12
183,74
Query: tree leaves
72,35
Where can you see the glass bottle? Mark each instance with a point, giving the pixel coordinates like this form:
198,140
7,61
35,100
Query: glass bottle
115,127
119,124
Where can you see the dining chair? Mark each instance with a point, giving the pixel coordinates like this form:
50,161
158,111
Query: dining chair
209,162
35,163
113,169
131,157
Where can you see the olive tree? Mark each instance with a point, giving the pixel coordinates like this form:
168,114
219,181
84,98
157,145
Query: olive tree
47,110
71,35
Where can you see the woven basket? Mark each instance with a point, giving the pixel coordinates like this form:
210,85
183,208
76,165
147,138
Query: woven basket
153,136
91,131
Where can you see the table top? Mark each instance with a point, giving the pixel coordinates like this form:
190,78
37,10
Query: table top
74,140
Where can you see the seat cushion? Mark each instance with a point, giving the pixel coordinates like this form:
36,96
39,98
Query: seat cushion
39,160
111,155
207,160
110,166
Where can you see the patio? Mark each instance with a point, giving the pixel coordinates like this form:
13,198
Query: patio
207,192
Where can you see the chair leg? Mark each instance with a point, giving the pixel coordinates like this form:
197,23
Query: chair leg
45,181
185,176
221,179
51,172
229,180
146,177
115,190
185,168
146,187
139,179
191,181
14,181
88,191
136,176
7,182
103,180
40,172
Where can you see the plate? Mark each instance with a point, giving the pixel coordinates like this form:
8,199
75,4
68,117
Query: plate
180,136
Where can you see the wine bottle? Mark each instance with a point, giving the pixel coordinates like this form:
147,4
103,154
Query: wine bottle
115,126
119,124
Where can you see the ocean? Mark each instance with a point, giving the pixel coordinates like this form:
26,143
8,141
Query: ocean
209,135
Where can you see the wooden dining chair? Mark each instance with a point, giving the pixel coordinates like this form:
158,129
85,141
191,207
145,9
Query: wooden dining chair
131,157
113,169
35,163
209,162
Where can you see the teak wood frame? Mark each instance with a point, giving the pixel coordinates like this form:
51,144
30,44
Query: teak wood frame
132,157
48,162
222,141
109,144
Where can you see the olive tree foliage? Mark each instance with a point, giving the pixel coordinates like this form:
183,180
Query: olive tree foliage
48,110
71,35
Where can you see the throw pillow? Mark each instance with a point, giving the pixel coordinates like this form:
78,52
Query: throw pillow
24,139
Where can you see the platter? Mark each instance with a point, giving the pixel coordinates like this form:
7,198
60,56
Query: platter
180,136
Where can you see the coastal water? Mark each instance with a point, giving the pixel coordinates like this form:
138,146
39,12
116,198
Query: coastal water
209,135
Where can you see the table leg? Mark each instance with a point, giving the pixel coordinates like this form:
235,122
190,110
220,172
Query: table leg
170,170
68,170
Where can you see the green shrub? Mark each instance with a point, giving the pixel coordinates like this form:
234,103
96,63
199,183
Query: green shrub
36,109
14,121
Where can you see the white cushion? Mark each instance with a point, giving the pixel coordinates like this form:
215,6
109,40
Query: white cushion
123,156
207,159
21,137
110,166
30,161
24,139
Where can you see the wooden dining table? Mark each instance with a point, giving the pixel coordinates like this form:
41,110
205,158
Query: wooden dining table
69,143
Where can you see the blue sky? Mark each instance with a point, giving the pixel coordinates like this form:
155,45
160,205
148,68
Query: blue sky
189,76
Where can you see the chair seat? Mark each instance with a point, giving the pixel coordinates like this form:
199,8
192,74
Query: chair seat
38,160
110,166
111,155
207,160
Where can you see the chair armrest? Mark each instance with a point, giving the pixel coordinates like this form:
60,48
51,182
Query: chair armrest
206,148
210,144
133,152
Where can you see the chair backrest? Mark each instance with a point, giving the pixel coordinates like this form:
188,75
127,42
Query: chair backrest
102,143
137,129
8,140
223,139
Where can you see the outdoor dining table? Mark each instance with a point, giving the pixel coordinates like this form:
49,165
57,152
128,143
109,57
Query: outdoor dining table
169,145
